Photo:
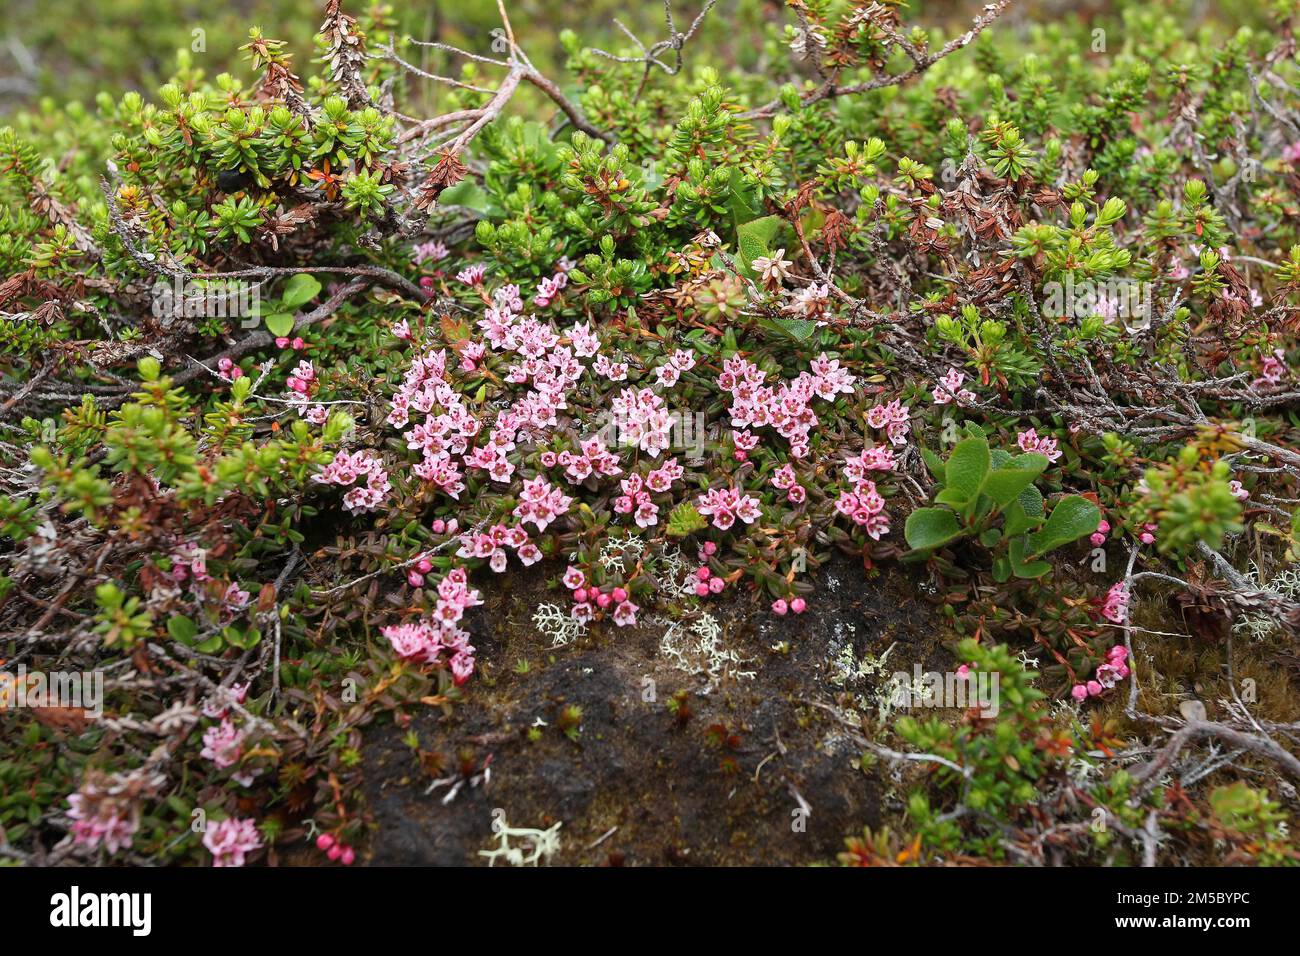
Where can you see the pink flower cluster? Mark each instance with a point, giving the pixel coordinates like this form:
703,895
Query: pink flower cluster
346,469
218,704
228,370
428,638
231,840
706,582
442,434
1273,369
643,419
548,289
892,418
336,850
223,744
492,545
1030,442
587,598
782,607
785,407
949,389
1107,675
541,503
472,276
864,503
681,361
1099,536
593,458
1114,607
725,505
785,479
431,251
636,498
302,378
103,812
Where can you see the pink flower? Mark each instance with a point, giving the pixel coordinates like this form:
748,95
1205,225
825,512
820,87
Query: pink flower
780,607
725,505
223,744
949,389
1115,607
231,840
625,613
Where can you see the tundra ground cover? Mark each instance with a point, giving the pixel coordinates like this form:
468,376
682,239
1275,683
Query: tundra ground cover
295,380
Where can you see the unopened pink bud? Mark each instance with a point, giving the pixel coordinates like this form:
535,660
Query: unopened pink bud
703,573
415,579
324,841
710,548
580,595
716,585
1094,688
335,852
424,566
298,343
439,526
603,600
780,607
620,595
702,588
798,605
349,856
281,341
1079,692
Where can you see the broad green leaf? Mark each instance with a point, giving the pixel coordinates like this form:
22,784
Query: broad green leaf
1004,484
1021,567
754,239
468,195
931,527
279,324
967,467
934,463
299,290
1071,519
182,628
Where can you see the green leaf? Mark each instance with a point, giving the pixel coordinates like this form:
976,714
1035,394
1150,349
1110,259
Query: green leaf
469,195
182,629
302,288
801,330
1004,484
930,528
754,239
1071,519
685,520
935,464
1022,568
967,467
279,324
